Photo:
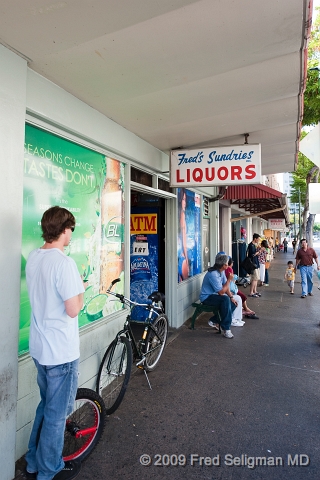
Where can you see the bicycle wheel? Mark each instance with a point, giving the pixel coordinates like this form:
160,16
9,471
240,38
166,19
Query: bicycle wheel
155,342
114,373
84,426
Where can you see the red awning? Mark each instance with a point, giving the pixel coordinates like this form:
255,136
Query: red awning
259,200
241,192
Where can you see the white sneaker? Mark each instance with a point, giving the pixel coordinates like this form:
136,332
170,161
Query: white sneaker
237,323
227,333
213,325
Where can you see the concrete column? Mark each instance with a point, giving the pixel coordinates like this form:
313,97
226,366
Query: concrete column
225,229
12,120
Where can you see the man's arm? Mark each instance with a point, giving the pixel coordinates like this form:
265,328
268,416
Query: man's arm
73,305
230,295
226,286
315,256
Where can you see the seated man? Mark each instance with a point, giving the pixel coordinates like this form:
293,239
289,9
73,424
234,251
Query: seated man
215,291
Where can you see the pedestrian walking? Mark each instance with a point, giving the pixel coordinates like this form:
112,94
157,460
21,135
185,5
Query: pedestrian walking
262,257
55,290
294,244
304,261
289,276
267,265
285,245
253,255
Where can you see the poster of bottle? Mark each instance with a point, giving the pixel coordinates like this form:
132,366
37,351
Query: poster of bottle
91,186
144,258
189,241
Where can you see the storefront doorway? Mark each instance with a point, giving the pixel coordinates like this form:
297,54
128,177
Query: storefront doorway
147,245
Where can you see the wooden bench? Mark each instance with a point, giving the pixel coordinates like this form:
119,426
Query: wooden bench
200,308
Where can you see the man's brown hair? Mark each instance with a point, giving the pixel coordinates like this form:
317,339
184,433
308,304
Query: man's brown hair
54,221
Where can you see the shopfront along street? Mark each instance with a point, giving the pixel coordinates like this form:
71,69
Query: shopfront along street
224,409
161,126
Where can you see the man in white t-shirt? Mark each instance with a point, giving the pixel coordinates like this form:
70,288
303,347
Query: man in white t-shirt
56,295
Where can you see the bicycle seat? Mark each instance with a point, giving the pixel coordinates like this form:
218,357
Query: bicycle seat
156,297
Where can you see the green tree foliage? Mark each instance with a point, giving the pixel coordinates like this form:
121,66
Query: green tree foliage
306,171
316,227
300,178
311,115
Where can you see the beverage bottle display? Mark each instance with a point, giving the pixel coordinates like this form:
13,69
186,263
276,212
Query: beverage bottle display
112,225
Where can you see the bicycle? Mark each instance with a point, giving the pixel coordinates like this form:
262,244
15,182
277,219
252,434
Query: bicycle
115,368
84,426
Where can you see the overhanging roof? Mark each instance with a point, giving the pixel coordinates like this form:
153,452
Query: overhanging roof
259,200
252,192
177,73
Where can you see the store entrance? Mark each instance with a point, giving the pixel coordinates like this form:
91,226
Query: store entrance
147,245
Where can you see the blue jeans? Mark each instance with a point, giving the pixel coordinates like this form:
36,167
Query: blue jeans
58,388
306,279
226,307
266,276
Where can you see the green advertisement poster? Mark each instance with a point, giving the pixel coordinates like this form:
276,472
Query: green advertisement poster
90,185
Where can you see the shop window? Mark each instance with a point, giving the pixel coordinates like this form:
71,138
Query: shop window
138,176
91,186
164,185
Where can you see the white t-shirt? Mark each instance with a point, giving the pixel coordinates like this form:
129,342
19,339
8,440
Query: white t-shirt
52,278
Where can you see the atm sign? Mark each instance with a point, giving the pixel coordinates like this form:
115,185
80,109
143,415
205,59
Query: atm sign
143,223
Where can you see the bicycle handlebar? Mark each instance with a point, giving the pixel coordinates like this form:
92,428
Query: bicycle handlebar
127,301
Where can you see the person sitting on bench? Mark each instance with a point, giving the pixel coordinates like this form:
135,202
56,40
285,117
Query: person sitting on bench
215,291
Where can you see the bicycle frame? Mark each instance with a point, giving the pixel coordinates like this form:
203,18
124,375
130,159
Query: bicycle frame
137,347
115,367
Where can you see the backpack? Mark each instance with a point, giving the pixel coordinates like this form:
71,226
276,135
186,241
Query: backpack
248,265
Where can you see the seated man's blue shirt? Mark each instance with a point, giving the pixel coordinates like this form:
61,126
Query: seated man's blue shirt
212,284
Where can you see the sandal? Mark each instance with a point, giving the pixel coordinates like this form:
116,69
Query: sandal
250,315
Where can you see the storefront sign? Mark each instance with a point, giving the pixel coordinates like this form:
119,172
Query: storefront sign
143,223
140,269
277,224
231,165
140,248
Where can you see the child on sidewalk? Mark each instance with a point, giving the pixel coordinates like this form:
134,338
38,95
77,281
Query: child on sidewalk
290,276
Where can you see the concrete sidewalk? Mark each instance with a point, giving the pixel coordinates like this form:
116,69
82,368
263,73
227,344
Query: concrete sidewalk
253,399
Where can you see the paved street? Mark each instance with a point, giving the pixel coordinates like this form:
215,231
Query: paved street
249,406
232,401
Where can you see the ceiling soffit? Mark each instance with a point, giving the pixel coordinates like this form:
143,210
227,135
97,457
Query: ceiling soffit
177,73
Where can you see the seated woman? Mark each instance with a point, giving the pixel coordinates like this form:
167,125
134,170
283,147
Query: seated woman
215,291
246,311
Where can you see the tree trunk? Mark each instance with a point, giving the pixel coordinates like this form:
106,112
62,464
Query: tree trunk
304,216
309,229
